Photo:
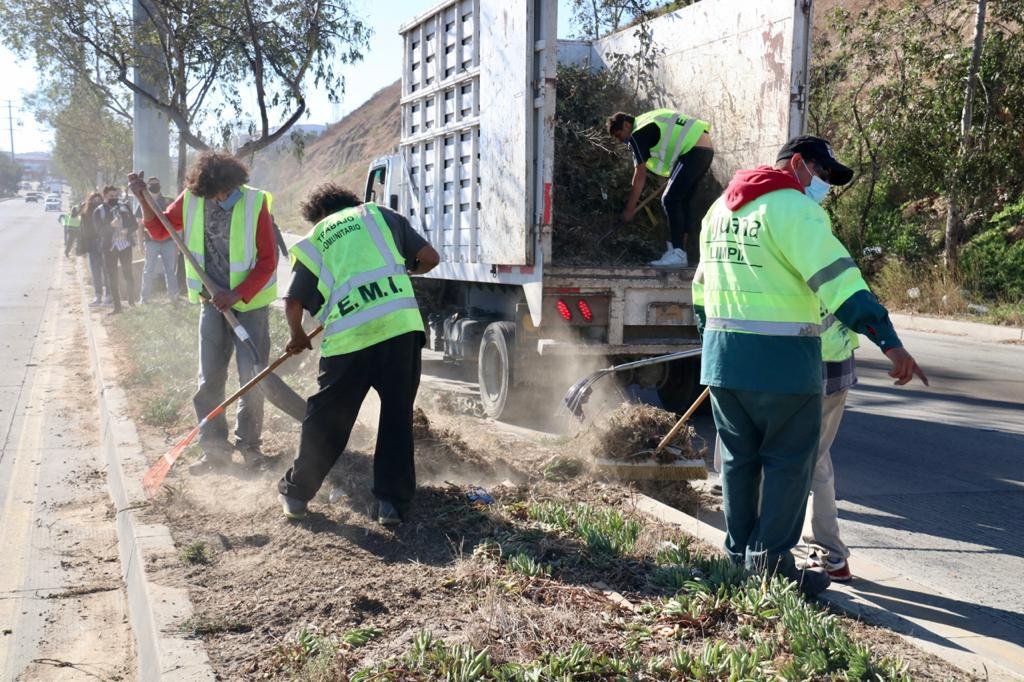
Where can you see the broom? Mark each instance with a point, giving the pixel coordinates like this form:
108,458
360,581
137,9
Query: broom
679,470
154,477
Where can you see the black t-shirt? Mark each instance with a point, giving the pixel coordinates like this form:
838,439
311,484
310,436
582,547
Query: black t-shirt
642,141
409,242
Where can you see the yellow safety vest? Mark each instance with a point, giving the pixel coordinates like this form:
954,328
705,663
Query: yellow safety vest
241,244
367,291
679,134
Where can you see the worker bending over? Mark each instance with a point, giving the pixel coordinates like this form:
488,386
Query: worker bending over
769,265
673,146
352,272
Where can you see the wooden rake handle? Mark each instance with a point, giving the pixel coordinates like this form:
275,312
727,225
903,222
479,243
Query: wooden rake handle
269,369
682,420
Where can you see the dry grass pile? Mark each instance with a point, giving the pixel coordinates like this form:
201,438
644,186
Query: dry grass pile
632,428
592,176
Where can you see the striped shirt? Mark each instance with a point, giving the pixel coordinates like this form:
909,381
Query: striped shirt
836,376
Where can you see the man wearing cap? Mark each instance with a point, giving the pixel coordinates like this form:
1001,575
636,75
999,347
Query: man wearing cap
674,146
769,266
160,252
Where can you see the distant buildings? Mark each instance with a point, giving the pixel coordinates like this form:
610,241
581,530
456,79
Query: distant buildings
37,165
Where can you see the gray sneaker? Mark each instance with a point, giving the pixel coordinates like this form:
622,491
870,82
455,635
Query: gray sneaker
387,515
292,508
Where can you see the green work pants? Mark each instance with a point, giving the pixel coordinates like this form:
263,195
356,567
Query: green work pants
769,444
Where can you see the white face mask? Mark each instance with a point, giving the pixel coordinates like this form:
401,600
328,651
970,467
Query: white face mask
818,189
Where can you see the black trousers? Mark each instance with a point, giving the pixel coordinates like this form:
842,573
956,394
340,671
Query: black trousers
111,260
392,368
678,198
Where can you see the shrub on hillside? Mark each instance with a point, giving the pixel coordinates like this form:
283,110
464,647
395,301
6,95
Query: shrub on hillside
993,262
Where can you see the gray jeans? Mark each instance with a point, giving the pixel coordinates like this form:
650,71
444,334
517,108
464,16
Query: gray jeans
216,342
167,254
823,518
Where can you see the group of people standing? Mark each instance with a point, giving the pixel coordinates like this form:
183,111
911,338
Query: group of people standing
104,229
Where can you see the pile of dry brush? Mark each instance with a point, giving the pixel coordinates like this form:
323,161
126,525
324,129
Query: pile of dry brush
592,177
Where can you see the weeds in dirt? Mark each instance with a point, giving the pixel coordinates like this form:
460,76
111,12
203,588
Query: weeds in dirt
194,554
527,566
359,637
562,468
606,532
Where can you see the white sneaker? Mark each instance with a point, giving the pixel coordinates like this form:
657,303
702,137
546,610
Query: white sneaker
673,258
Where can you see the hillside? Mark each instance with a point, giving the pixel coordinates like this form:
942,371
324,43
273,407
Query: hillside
342,154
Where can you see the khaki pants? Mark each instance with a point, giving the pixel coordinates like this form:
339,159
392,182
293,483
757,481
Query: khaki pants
822,517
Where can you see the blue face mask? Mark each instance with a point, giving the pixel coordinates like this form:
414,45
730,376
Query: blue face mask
232,199
818,189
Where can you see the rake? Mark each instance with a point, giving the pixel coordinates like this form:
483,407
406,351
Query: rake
154,477
577,396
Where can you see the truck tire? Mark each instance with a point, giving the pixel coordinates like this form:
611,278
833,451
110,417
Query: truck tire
494,365
682,386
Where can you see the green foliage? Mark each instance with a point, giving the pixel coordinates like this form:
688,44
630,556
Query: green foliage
606,532
888,90
526,565
10,175
992,263
194,553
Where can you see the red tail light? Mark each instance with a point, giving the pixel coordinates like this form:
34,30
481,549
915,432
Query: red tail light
585,310
564,310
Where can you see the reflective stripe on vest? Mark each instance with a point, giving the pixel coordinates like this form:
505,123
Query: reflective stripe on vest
672,140
763,327
388,306
242,250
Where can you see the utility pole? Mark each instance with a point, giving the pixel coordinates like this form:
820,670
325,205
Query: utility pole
10,125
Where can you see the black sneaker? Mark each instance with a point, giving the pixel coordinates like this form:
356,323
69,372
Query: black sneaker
387,514
811,581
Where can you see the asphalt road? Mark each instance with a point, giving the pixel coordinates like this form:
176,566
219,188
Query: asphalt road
930,481
62,606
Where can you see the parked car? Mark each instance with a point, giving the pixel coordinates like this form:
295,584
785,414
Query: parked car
32,198
52,204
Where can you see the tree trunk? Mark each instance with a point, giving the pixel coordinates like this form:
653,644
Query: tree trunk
954,221
182,162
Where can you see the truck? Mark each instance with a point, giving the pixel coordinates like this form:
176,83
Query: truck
473,174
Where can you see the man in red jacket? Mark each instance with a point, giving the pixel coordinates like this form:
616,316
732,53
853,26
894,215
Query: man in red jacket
228,228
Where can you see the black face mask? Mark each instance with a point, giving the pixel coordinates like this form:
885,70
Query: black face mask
154,189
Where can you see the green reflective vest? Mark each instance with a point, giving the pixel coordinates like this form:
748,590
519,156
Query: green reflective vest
679,134
71,221
241,244
770,267
367,291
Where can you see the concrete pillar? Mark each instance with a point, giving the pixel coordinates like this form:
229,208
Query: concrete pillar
150,131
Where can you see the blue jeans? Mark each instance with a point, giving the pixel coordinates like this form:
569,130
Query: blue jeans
216,343
160,257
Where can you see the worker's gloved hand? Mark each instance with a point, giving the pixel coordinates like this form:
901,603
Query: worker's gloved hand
298,343
904,367
225,299
137,183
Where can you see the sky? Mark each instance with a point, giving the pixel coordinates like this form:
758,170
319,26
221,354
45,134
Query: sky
379,68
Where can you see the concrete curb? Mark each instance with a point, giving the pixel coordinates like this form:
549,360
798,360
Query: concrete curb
987,657
975,331
156,611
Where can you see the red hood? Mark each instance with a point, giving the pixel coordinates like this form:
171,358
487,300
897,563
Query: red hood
748,185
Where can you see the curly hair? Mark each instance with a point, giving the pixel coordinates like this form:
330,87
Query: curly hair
215,172
326,199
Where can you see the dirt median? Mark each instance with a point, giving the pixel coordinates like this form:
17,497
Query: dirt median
511,565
